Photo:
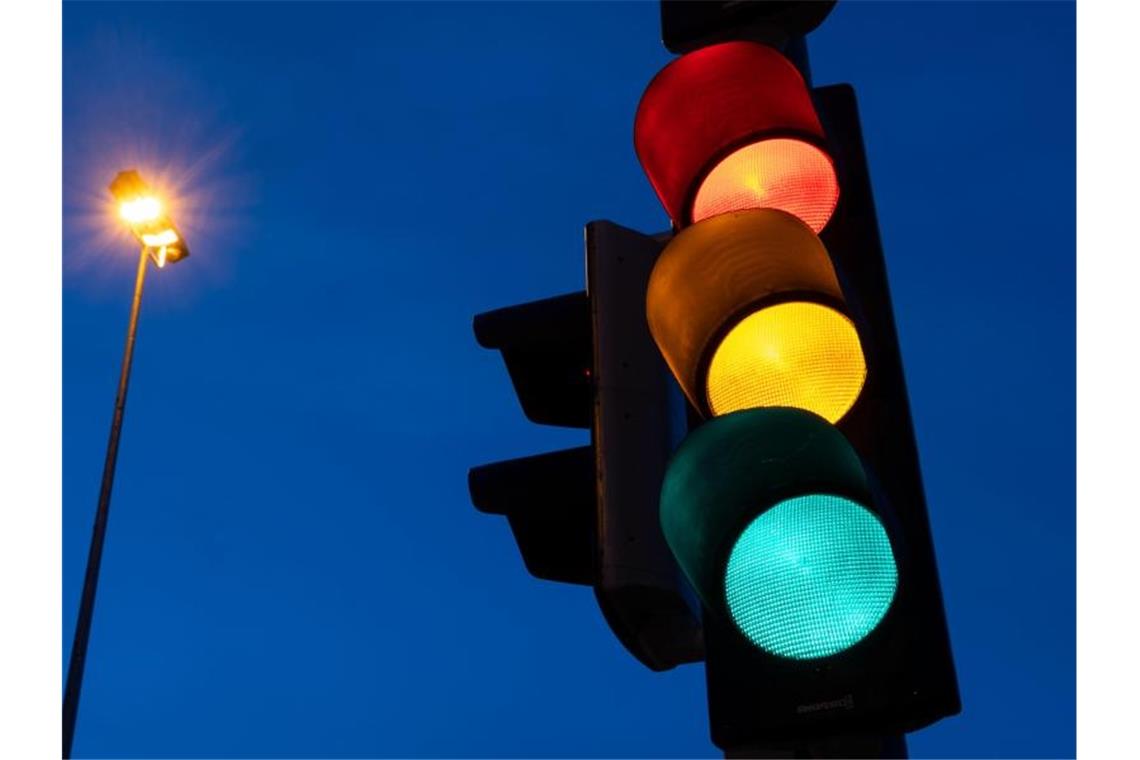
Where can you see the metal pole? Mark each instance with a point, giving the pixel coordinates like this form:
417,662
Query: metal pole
95,553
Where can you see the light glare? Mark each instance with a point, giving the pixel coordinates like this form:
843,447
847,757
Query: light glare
157,239
140,210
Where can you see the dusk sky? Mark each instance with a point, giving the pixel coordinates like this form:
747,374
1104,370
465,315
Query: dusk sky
293,566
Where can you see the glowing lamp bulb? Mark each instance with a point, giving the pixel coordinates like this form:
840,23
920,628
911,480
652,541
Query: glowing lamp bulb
707,104
793,354
747,312
786,174
810,577
159,239
140,210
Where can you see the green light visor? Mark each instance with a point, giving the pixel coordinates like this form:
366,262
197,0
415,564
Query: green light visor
810,577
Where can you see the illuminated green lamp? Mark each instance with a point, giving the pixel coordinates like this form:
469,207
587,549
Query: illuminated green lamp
769,515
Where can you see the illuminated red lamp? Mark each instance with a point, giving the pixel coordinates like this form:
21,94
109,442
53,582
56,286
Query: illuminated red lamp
731,127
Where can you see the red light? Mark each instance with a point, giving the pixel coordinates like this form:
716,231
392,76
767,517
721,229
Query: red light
703,110
789,175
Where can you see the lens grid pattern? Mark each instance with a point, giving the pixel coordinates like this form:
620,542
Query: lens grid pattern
789,175
795,354
810,577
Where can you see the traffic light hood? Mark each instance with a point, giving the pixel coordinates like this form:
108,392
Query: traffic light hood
747,311
732,126
547,347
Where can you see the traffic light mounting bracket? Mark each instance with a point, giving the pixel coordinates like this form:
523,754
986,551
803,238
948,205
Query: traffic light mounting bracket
589,515
639,418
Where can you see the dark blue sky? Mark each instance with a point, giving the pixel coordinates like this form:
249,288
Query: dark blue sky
293,565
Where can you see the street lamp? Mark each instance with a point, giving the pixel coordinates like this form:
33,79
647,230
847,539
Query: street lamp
145,214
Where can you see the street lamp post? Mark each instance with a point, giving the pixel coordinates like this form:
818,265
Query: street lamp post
161,243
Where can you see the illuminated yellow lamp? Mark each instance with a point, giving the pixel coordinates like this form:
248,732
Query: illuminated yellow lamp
144,212
161,245
796,353
747,311
161,238
140,210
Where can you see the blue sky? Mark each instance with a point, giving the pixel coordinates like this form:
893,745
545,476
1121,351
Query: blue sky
293,566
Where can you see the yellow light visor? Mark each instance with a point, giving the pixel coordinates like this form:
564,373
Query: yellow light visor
796,354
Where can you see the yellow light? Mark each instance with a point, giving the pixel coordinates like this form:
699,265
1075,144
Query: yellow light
157,239
730,265
140,210
794,354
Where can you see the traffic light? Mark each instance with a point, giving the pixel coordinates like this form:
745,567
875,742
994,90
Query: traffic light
783,540
710,145
747,311
795,505
588,515
751,494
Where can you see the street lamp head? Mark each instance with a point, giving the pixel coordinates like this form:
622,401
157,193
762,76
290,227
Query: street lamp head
142,210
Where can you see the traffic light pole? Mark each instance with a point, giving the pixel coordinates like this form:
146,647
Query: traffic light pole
95,553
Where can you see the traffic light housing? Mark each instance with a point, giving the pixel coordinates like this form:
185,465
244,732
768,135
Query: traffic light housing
687,25
823,616
792,516
542,498
588,515
547,348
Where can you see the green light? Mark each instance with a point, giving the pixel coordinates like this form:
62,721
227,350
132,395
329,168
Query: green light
810,577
